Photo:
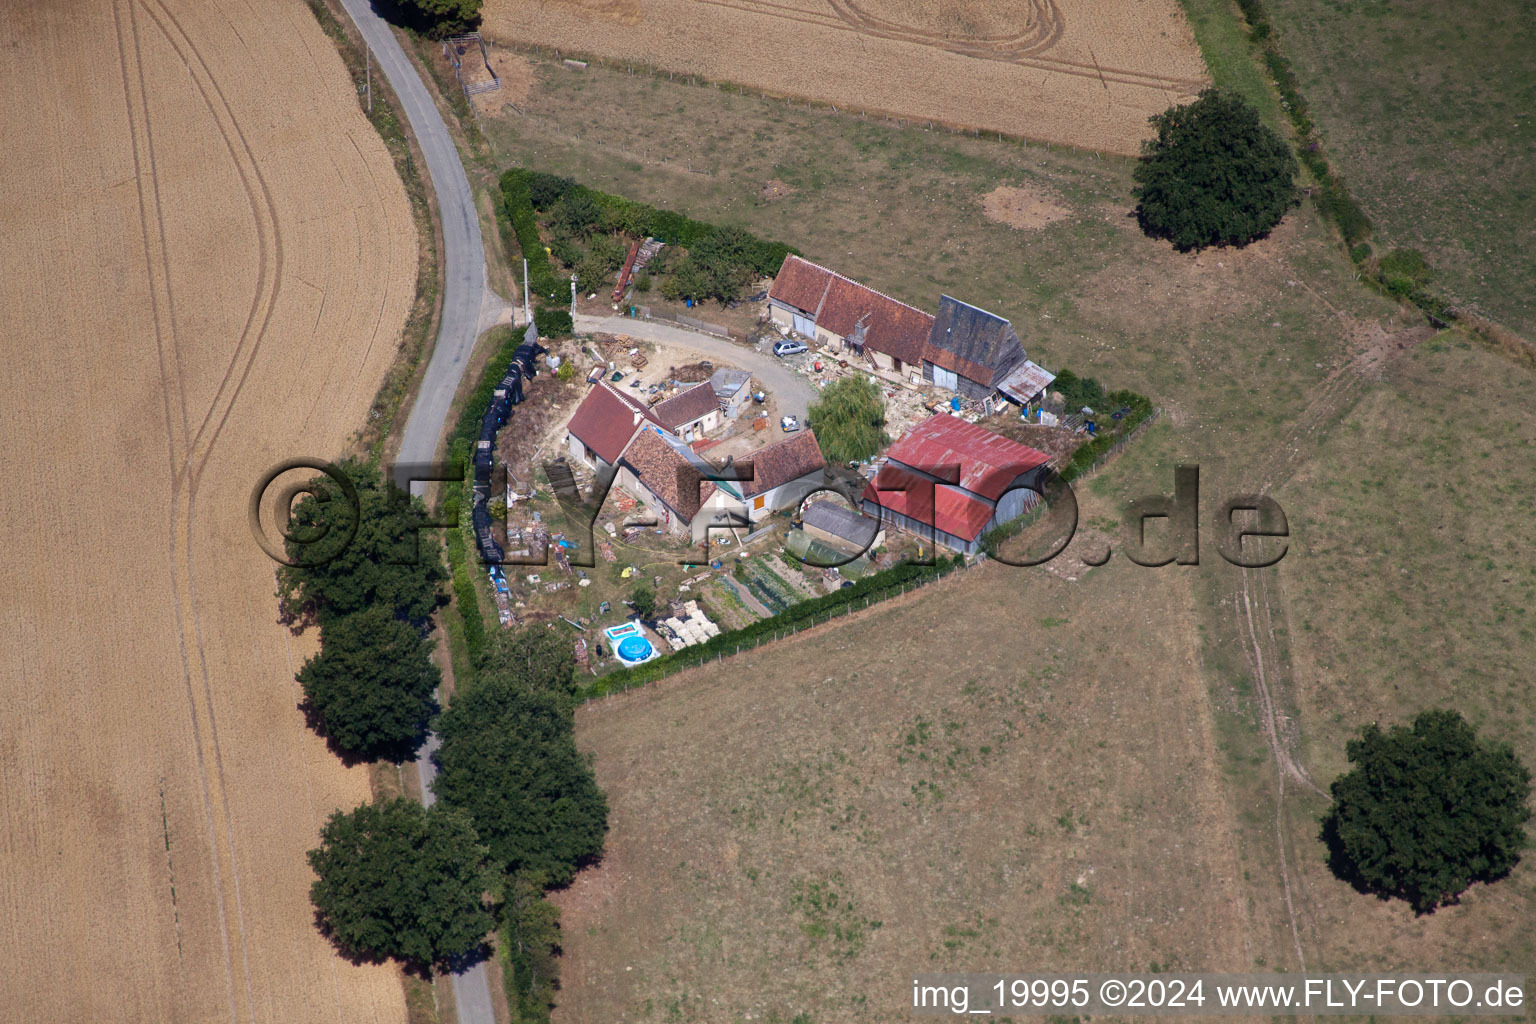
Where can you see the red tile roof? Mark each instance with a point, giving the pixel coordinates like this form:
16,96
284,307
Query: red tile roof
781,462
694,404
988,462
892,327
945,508
838,303
606,420
800,283
666,473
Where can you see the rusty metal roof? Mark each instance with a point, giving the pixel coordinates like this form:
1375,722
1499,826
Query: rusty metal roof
987,463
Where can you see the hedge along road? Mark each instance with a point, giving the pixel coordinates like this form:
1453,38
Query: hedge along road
466,297
793,392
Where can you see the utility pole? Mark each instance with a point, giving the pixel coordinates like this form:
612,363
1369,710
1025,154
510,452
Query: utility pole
573,298
527,305
369,64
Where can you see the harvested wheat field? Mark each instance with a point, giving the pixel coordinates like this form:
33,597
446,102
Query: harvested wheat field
1086,73
208,261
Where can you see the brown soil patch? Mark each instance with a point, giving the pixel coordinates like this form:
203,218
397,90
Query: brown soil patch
773,189
210,260
516,74
1027,209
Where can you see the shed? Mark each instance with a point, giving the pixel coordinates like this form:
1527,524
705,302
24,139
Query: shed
731,391
842,527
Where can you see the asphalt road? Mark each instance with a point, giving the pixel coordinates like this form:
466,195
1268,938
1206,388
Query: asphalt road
467,300
792,392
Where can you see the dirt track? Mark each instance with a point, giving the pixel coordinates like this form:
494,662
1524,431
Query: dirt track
208,262
1087,73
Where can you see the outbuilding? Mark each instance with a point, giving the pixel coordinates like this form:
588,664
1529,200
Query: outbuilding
952,481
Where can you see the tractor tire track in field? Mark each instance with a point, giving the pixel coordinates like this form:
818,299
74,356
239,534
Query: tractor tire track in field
1254,607
189,451
149,212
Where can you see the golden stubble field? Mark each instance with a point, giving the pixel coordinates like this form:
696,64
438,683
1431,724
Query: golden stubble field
208,261
1086,73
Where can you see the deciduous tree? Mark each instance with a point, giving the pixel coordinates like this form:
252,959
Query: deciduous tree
1426,811
849,419
356,557
371,687
399,881
1213,175
509,760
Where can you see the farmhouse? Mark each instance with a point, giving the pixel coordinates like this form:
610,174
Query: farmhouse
691,414
834,310
972,351
954,481
782,475
603,425
668,478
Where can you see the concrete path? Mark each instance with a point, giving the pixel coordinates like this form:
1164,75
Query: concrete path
793,392
467,300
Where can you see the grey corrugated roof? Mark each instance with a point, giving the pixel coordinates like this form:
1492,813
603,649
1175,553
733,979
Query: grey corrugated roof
727,382
852,526
976,337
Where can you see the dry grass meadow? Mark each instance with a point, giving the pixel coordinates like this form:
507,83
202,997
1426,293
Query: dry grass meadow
1087,73
208,261
1192,714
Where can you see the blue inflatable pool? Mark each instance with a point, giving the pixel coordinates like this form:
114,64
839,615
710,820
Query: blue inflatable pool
634,648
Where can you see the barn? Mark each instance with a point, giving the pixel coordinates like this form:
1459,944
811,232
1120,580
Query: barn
911,491
971,351
825,306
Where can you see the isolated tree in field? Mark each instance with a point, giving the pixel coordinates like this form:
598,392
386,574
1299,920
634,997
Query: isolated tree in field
849,419
438,18
388,561
399,881
1426,811
533,658
371,686
1214,174
509,760
643,600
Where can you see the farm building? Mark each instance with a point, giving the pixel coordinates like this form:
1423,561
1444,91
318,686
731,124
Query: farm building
989,470
841,527
782,475
691,414
971,351
668,478
603,425
731,390
822,304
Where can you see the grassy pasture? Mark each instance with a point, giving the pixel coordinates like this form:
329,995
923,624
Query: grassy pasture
1272,366
1430,112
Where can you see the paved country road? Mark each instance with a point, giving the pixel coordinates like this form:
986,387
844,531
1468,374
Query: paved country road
792,392
466,297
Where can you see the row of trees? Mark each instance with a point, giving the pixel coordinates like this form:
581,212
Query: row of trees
371,580
518,808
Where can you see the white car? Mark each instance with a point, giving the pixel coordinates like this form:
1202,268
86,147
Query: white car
789,424
789,347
